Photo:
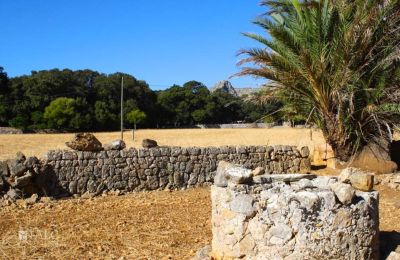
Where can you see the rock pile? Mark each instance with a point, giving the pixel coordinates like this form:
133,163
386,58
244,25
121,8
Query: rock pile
19,178
293,216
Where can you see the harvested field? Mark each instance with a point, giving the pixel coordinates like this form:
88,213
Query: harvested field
148,225
39,144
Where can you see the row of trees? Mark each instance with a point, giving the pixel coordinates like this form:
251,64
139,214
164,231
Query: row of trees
89,100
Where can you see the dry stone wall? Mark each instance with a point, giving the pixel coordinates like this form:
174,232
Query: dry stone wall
133,169
292,216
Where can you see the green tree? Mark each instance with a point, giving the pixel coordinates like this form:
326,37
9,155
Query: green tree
338,59
135,117
62,114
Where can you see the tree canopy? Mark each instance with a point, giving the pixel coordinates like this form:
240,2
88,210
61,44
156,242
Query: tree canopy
338,60
88,100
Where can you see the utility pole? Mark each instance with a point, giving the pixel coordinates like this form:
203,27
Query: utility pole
122,108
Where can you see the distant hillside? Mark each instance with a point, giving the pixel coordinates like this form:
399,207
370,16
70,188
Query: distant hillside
226,87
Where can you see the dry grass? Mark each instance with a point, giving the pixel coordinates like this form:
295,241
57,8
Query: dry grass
137,226
152,225
39,144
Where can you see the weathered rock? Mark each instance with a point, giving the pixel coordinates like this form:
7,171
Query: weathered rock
344,192
243,204
225,87
291,177
14,194
4,169
17,168
293,220
305,152
20,157
85,142
22,181
375,157
258,171
357,178
393,256
203,253
115,145
149,143
31,162
238,175
32,200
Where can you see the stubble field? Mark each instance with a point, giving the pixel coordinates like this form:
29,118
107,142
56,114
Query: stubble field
145,225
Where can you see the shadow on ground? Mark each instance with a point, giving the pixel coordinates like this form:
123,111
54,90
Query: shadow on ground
389,241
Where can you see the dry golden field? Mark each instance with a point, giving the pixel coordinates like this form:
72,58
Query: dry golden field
39,144
145,225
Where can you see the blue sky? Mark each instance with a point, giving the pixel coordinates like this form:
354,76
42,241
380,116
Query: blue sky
160,41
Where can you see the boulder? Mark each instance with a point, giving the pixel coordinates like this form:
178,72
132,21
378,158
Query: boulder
343,191
375,157
85,142
359,179
31,162
115,145
203,253
149,143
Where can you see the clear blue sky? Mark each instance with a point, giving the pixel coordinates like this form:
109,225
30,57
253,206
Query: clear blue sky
160,41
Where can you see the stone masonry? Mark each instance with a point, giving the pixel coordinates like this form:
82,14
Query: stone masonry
292,216
78,172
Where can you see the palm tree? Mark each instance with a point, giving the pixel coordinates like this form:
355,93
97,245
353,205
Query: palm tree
337,58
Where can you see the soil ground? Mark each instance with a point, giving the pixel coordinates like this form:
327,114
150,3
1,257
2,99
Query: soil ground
151,225
146,225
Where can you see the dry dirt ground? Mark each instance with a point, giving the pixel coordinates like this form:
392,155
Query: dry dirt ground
148,225
151,225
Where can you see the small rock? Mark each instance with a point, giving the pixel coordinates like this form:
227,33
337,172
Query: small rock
14,194
115,145
258,171
85,142
357,178
4,169
343,191
149,143
238,175
17,168
304,152
32,200
203,253
20,157
31,161
243,204
280,234
22,181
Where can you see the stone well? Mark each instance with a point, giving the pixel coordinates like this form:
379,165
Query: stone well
292,216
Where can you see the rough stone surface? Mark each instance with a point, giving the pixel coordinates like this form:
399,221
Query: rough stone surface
149,143
76,172
115,145
85,142
258,171
357,178
293,220
344,192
